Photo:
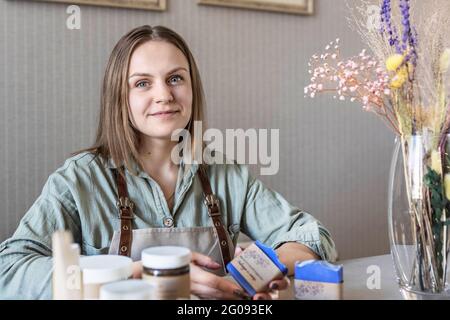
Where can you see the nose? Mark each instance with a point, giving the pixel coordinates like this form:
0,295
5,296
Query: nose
163,94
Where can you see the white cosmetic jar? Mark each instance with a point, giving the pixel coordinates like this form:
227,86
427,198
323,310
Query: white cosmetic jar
133,289
167,269
102,269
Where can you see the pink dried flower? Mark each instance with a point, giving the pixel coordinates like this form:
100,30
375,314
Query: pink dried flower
361,78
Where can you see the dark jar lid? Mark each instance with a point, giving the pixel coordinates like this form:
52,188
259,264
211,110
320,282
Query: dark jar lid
166,272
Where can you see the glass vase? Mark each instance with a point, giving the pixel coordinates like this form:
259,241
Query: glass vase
418,210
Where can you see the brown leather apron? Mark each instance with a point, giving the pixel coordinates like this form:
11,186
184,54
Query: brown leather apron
213,241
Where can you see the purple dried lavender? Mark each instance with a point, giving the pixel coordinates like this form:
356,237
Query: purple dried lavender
386,25
409,37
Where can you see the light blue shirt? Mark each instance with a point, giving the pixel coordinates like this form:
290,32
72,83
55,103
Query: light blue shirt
81,197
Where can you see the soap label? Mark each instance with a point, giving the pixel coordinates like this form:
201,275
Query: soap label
314,290
256,268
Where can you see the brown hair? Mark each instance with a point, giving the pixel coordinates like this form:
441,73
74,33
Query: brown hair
116,138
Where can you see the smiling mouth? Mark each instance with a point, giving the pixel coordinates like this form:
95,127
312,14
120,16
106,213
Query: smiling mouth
165,113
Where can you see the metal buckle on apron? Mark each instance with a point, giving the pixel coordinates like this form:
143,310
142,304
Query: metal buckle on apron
212,203
125,205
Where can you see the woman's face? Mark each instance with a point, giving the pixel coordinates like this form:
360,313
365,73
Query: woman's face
160,92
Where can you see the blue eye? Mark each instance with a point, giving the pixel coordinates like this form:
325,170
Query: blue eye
175,79
141,84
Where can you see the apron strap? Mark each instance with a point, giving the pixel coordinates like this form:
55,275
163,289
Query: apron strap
125,206
212,202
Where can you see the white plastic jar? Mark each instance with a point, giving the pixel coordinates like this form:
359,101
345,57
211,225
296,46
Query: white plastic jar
126,290
102,269
166,268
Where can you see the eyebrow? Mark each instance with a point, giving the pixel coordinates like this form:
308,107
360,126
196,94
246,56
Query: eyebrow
139,74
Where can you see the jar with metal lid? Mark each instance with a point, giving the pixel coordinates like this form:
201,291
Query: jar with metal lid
167,269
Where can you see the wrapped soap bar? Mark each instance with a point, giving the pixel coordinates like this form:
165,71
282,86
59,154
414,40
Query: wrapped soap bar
318,280
256,267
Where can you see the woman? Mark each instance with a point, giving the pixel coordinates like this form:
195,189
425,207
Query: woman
126,193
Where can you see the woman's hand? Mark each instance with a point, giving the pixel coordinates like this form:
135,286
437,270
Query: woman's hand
210,286
207,285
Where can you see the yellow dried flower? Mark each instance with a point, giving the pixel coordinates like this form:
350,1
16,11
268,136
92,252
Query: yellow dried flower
394,61
447,185
399,79
444,61
436,163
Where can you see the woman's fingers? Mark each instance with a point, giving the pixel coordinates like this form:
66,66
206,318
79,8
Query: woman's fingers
204,261
280,284
262,296
219,283
237,251
137,269
228,289
274,286
206,292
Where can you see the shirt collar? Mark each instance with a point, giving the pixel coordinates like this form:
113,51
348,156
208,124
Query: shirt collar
186,170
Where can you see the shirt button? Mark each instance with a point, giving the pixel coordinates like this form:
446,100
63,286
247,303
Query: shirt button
168,222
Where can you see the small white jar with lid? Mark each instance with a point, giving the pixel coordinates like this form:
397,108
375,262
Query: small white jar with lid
126,290
167,269
102,269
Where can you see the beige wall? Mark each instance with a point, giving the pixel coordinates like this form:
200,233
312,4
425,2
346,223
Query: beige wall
334,158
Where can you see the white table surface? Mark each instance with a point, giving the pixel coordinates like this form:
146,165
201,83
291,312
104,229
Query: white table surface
356,275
